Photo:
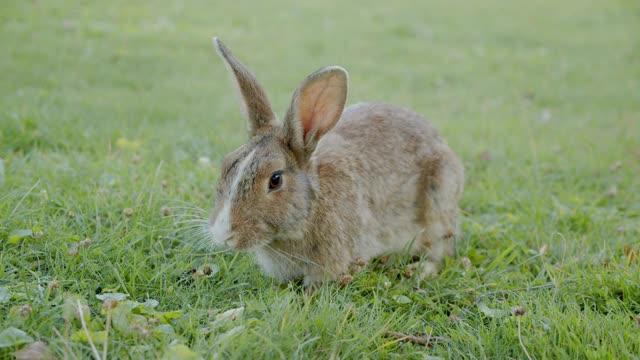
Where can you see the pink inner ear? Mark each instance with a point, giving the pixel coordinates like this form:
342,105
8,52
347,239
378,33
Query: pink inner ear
306,126
321,104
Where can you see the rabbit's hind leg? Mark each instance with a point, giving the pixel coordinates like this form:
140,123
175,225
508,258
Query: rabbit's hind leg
439,216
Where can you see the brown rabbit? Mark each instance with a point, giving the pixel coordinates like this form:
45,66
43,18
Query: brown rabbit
325,187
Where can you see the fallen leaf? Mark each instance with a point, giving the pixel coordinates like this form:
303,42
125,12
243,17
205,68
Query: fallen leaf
112,296
152,303
131,317
36,351
401,299
232,314
11,337
423,340
5,295
492,313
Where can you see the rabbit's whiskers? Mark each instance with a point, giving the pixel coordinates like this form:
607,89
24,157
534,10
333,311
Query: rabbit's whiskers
289,255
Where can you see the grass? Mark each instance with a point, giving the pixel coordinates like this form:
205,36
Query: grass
113,106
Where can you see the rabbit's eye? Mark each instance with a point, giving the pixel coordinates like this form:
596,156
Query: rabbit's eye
276,181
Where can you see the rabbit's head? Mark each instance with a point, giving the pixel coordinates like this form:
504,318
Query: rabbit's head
264,192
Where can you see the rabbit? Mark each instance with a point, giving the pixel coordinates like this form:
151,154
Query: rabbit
328,186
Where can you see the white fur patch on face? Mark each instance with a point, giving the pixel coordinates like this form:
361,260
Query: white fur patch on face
221,228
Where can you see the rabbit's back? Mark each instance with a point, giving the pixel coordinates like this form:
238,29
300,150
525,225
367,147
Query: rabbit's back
386,165
382,148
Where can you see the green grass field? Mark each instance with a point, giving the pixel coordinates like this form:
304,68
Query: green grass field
114,116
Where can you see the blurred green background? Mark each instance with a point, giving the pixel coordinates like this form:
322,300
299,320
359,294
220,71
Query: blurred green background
112,105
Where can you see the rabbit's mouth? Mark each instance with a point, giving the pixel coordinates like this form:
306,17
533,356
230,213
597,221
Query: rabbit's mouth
232,242
254,245
221,242
235,243
229,242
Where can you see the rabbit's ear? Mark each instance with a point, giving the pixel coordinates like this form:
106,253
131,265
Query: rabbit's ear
315,108
253,100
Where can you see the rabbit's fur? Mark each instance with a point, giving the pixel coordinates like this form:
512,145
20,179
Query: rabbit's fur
355,184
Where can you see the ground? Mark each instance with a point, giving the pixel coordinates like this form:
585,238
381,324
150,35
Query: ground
114,117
